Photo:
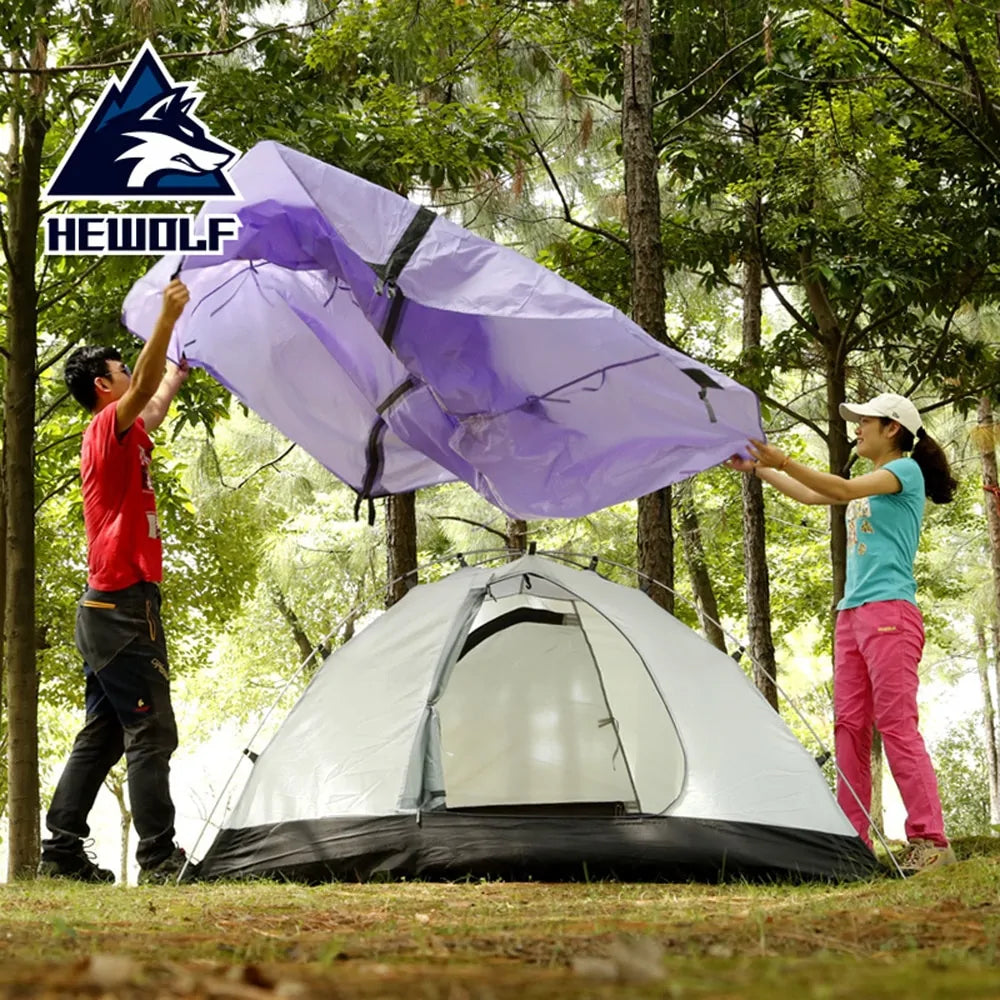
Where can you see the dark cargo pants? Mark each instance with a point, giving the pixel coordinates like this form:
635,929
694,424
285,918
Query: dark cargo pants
128,711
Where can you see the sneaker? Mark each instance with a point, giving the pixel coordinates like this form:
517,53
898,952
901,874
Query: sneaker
168,870
924,855
78,867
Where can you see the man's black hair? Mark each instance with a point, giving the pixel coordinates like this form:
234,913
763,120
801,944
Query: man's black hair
82,367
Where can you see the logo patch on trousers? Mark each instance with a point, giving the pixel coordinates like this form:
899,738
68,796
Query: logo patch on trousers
141,706
887,628
160,668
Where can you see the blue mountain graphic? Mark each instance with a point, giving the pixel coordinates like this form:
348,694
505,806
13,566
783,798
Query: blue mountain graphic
142,140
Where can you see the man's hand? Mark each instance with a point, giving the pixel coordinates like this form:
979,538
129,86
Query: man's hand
175,298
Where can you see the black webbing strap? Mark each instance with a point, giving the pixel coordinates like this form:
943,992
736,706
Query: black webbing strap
387,274
705,382
374,456
392,318
405,247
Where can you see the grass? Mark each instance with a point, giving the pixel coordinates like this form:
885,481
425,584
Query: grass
937,935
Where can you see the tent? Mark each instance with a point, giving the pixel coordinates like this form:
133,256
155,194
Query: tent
534,720
401,350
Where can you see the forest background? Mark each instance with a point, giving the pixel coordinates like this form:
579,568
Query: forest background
802,195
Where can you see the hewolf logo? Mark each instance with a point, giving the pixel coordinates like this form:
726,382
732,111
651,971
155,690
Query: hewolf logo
142,141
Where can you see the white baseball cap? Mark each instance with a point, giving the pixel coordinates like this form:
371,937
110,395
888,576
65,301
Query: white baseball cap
897,408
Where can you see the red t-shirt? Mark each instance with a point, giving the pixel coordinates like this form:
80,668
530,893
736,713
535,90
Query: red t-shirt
119,508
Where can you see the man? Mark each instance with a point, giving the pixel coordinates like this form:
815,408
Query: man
118,630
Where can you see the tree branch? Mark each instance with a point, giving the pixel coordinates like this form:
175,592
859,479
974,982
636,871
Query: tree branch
243,482
945,337
797,417
697,111
715,65
475,524
906,78
74,283
46,365
55,444
862,335
866,78
57,489
882,8
165,56
567,215
780,295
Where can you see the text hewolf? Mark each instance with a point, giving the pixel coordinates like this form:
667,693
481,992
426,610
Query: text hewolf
138,234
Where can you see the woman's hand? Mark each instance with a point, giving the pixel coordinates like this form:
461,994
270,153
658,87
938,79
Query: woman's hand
741,464
767,455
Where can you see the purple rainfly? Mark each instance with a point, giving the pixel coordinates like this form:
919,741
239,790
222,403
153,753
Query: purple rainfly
401,350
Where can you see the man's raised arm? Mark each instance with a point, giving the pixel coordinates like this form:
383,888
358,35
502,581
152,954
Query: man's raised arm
148,375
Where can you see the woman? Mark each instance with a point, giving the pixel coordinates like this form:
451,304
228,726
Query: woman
879,635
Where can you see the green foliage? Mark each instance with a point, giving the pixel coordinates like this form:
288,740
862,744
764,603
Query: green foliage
593,262
960,763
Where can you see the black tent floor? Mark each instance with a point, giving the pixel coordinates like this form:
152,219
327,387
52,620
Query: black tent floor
455,845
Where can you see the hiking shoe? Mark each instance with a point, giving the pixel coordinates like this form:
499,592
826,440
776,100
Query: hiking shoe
924,855
167,871
77,867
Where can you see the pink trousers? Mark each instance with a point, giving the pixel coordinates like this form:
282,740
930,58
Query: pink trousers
877,648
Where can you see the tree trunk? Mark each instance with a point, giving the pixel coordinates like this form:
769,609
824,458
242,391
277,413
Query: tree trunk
655,547
831,339
18,456
655,536
116,784
517,536
989,726
996,687
3,605
311,653
697,564
758,581
3,553
400,546
986,441
877,810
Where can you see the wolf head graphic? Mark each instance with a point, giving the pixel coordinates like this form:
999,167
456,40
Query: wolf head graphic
168,139
143,141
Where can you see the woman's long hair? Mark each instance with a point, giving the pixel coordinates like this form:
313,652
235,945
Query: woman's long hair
939,483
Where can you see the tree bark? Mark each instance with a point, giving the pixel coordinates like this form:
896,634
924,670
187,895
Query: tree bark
654,527
986,441
3,605
758,581
697,564
115,783
517,536
877,809
655,547
313,653
401,546
989,725
18,456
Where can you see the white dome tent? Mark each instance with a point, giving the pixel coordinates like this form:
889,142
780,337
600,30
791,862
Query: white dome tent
533,720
